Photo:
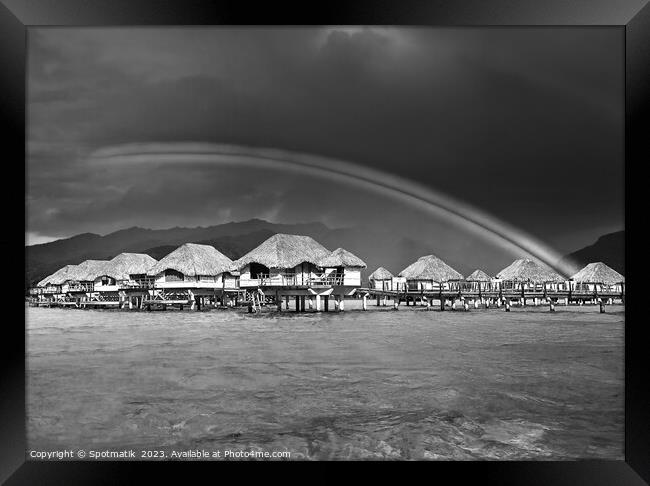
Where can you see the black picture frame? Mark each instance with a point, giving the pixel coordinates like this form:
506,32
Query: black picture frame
633,16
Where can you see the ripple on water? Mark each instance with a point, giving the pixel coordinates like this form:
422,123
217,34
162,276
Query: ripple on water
390,385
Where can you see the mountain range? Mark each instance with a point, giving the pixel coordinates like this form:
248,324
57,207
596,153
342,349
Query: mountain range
609,249
376,246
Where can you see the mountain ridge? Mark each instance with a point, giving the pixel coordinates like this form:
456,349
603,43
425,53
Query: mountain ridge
608,248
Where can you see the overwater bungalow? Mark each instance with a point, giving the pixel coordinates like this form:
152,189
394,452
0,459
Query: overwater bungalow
54,287
81,284
286,266
283,261
124,279
430,273
340,268
381,279
598,277
83,277
194,266
530,275
126,270
479,281
190,273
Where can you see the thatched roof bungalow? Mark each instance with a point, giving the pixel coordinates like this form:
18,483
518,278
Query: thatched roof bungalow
430,273
123,269
381,279
598,277
82,277
57,282
479,281
526,273
341,267
194,266
282,261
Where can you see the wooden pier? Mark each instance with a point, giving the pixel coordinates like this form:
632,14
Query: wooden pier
485,299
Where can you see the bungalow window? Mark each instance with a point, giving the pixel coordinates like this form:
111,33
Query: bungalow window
258,270
173,275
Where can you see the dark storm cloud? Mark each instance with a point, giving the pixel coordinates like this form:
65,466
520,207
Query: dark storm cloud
526,124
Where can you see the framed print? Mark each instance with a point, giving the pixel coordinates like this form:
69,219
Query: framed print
370,232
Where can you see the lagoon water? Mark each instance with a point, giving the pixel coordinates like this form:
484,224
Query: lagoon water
410,384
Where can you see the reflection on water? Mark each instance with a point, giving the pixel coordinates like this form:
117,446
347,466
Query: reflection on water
409,384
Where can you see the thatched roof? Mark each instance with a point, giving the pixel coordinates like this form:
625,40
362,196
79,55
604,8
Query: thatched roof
527,270
126,264
192,259
341,258
58,277
430,267
285,251
380,274
88,270
598,273
479,275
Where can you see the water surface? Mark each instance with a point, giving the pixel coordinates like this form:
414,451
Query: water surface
410,384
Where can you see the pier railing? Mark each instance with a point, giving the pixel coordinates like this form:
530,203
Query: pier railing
291,279
331,279
81,287
145,283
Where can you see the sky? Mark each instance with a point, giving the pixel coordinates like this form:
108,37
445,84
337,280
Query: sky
524,124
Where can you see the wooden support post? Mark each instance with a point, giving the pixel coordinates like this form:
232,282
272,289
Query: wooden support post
318,303
327,303
378,300
287,300
364,304
385,301
442,303
192,300
297,303
278,301
302,303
